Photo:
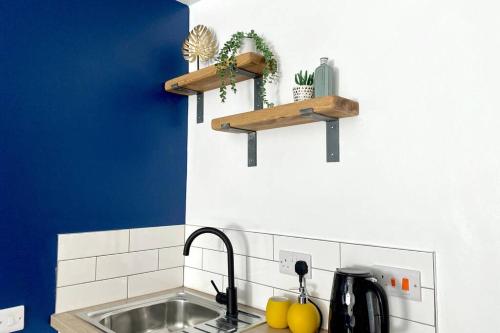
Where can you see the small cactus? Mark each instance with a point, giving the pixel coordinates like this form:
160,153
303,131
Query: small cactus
304,80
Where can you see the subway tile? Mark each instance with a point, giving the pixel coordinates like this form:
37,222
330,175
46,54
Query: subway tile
251,243
90,244
367,256
156,237
88,294
405,326
75,271
422,312
325,255
251,294
171,257
320,286
195,258
200,280
206,241
147,283
265,272
126,264
216,261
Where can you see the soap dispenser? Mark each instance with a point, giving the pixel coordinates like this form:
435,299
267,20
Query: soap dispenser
303,316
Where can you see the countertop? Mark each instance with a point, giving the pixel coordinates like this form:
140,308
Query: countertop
69,322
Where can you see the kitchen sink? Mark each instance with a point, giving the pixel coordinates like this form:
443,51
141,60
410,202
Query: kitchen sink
180,312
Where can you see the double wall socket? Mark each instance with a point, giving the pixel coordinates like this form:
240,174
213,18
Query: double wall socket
288,260
12,319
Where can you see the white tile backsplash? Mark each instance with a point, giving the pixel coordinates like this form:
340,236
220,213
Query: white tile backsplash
320,285
126,264
87,294
96,267
422,312
399,325
76,271
195,258
90,244
172,257
100,267
266,272
200,280
147,283
157,237
251,244
253,294
216,262
258,277
363,255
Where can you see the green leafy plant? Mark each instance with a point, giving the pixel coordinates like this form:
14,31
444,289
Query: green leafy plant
226,64
304,80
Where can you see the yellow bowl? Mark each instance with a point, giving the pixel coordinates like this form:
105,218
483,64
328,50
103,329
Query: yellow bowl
277,311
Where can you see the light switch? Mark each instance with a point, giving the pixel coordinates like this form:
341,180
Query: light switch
12,319
399,282
405,284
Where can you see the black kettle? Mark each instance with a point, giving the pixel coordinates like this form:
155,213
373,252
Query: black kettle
358,303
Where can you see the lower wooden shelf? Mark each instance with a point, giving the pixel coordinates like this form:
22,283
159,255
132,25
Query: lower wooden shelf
288,114
328,109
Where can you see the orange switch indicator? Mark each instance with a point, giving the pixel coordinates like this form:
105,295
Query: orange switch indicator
405,285
393,282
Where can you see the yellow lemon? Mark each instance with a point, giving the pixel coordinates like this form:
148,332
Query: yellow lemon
303,318
276,312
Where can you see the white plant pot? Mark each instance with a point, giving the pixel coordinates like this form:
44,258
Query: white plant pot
301,93
248,45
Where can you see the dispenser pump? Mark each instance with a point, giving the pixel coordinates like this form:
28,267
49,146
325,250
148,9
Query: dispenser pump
301,269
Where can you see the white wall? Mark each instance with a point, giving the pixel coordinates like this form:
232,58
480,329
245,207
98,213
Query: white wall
420,166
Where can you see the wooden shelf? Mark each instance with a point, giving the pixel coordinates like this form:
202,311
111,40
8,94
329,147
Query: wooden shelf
288,115
250,65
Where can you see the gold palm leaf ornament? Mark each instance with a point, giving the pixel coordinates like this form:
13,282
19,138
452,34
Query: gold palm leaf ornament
200,44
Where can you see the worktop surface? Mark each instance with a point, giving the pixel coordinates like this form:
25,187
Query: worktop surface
69,322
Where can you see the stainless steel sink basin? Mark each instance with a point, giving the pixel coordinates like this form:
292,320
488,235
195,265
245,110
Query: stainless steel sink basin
181,312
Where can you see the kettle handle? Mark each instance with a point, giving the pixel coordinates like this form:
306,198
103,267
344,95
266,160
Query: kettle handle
382,303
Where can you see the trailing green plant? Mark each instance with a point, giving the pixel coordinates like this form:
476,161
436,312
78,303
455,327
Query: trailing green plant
304,80
226,64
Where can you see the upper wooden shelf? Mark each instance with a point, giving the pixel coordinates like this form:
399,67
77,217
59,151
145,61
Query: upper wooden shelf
319,108
251,65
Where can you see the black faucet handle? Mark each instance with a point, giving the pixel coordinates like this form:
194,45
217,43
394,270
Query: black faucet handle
215,286
220,298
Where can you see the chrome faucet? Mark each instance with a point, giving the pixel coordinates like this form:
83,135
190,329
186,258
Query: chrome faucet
229,298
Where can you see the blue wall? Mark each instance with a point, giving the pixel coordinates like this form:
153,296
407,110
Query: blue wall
88,139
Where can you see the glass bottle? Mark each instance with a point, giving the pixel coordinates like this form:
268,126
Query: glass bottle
323,79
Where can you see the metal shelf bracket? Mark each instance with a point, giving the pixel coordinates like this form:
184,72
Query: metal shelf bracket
332,133
252,141
199,100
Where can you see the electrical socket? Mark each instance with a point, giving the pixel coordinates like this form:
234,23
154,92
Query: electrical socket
288,260
12,319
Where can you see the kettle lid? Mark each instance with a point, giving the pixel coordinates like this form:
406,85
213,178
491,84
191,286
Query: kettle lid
355,272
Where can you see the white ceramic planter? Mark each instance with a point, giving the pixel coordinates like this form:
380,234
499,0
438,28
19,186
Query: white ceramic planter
301,93
248,45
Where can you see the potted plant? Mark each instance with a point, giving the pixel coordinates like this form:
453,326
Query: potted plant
304,88
226,63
